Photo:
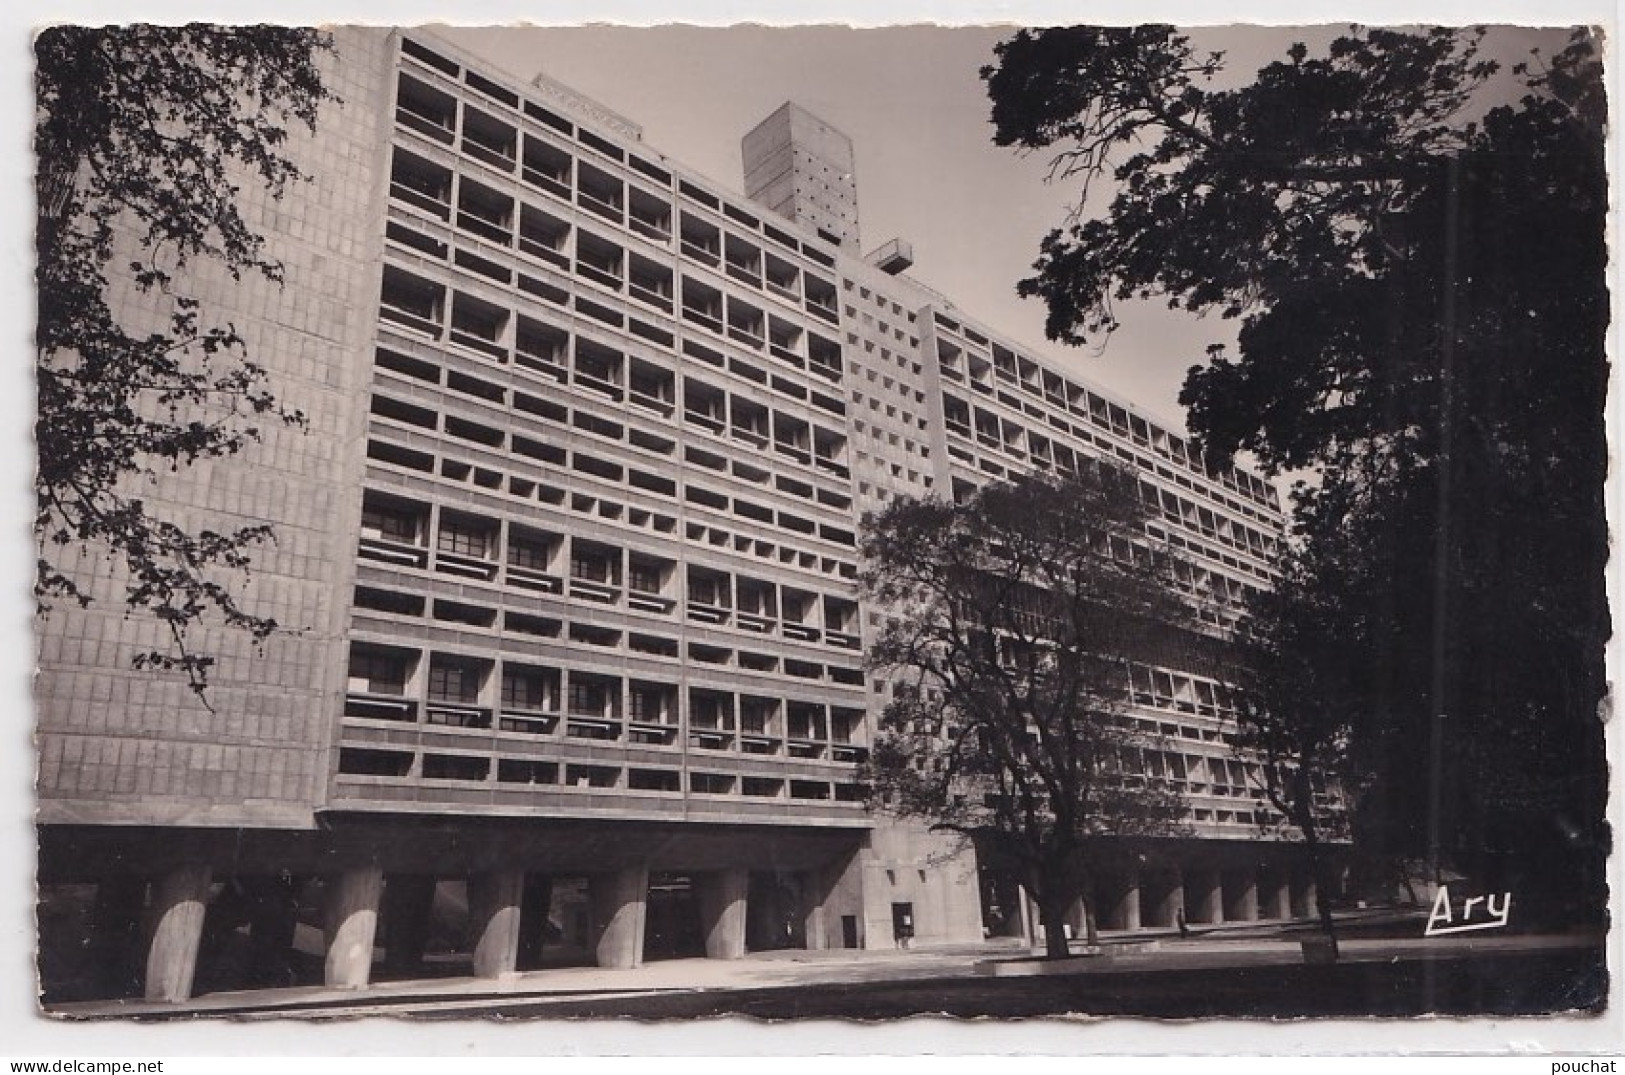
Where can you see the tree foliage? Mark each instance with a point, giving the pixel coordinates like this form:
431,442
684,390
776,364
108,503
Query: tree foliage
1013,615
1413,242
1299,693
144,135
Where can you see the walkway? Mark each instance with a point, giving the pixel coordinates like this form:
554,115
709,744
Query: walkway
1136,953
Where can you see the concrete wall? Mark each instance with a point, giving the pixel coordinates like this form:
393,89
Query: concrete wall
118,745
935,873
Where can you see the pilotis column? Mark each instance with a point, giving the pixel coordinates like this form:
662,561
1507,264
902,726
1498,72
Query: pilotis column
179,901
352,925
722,912
620,906
1125,913
493,921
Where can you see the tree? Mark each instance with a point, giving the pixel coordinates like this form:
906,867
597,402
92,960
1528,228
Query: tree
1014,615
143,136
1416,260
1298,699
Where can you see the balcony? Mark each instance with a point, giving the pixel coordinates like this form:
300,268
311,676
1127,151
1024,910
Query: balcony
426,110
479,326
412,303
650,284
485,213
700,240
489,140
547,168
600,193
421,184
544,237
649,215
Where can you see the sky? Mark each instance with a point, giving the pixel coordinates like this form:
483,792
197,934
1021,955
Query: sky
912,101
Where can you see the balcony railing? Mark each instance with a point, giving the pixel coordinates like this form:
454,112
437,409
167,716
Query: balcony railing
380,706
552,183
425,125
457,714
469,567
527,721
437,205
497,156
394,552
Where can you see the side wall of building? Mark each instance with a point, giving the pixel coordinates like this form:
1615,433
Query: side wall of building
118,745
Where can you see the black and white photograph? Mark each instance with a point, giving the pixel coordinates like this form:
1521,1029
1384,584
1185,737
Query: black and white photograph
598,524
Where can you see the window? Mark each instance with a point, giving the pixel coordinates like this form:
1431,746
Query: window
591,697
643,578
390,522
465,537
378,672
451,681
530,553
525,688
592,563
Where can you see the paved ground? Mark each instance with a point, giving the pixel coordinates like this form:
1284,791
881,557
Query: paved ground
1232,971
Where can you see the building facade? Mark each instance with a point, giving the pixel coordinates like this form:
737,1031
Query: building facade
568,554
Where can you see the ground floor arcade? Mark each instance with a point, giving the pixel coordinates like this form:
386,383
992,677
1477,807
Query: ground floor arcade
165,913
1161,884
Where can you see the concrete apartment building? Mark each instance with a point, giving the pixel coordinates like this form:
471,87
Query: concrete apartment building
568,554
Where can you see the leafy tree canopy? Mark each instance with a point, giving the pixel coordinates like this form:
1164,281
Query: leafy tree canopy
144,135
1413,243
1308,204
1013,616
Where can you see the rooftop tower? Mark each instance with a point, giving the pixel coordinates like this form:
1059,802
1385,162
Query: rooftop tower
801,168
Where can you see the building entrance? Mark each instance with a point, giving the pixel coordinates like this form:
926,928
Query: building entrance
673,928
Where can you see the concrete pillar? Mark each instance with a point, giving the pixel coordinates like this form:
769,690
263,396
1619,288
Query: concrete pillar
723,903
1124,910
1241,896
1164,897
815,924
535,908
1077,919
352,925
1027,917
1276,894
179,901
1204,896
1303,896
620,906
408,905
493,921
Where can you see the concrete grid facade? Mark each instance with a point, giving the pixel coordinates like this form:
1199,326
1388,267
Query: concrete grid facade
570,545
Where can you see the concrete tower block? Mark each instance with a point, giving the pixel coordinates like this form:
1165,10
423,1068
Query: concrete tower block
802,168
179,903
